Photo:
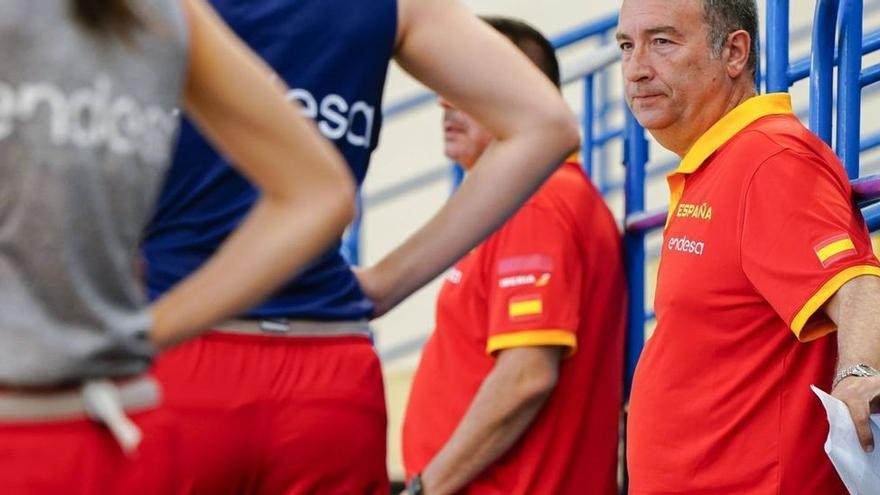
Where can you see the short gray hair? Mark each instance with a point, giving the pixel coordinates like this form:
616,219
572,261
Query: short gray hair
726,16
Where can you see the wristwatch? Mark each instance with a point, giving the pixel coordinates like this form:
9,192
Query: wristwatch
414,487
860,370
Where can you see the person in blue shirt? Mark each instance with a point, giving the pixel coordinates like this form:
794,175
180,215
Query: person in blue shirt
86,133
288,398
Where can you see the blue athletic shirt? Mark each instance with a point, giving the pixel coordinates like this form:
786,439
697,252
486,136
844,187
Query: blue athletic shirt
334,56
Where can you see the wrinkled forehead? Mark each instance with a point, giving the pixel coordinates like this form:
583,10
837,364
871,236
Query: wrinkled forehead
644,17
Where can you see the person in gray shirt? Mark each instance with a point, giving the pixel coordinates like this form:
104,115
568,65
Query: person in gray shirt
88,92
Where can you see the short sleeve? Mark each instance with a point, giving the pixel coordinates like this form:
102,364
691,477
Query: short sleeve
802,238
534,276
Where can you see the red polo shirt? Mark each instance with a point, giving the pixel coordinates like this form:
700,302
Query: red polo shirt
761,233
552,275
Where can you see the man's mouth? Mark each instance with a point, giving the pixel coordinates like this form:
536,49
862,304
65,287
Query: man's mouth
647,97
450,128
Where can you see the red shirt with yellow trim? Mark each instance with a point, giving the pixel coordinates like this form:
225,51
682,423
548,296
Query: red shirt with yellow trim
552,275
761,232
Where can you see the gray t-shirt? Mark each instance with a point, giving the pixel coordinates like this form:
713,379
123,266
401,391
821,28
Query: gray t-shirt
86,132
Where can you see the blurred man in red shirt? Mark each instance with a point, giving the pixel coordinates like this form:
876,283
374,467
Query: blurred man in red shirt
519,388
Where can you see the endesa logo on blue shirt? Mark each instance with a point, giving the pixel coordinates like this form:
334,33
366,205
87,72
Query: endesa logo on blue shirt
336,117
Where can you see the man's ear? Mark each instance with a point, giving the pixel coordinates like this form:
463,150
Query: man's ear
736,53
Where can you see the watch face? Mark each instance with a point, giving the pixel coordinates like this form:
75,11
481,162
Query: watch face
865,370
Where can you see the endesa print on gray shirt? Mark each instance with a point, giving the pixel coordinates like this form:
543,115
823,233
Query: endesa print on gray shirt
85,135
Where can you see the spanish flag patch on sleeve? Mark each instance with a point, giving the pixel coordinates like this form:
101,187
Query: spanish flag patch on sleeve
525,307
834,248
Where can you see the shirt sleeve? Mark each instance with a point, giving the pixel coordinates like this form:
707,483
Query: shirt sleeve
802,238
534,275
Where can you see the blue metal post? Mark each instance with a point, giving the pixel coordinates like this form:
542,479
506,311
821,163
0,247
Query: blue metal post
587,125
822,68
777,46
759,72
849,85
634,243
457,175
604,106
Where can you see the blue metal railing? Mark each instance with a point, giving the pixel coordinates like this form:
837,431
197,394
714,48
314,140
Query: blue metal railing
849,100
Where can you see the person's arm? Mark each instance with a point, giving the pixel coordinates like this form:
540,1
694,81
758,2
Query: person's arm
481,73
507,402
855,309
306,192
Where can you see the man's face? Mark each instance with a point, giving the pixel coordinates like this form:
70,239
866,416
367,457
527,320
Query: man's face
669,72
464,139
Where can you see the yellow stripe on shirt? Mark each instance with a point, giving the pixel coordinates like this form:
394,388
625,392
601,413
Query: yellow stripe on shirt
836,247
822,296
533,338
525,308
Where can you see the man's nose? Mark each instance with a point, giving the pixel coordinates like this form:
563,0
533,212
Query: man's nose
637,65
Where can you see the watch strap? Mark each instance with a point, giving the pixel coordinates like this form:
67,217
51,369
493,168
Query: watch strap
860,370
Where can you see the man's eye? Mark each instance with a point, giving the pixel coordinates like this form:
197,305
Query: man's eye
625,46
661,41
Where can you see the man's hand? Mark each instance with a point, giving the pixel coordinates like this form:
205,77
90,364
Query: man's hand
860,394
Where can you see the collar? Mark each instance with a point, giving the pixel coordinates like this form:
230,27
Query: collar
730,125
719,134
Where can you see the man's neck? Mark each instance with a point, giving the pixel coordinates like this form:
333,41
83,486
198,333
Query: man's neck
680,139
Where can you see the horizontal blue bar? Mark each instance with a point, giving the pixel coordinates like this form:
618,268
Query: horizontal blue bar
870,142
440,172
652,171
583,32
866,189
872,217
646,221
407,104
871,42
870,75
608,136
799,70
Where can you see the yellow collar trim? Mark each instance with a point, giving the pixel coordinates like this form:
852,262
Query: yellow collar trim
730,125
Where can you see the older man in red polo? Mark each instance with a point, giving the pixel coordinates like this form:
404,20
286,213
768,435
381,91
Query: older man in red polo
767,281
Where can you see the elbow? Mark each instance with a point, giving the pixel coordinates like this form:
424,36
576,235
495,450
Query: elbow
335,196
339,201
563,127
329,200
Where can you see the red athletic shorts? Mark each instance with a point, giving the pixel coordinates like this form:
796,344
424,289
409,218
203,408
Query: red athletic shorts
81,457
278,415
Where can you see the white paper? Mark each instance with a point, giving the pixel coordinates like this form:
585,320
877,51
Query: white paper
859,470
